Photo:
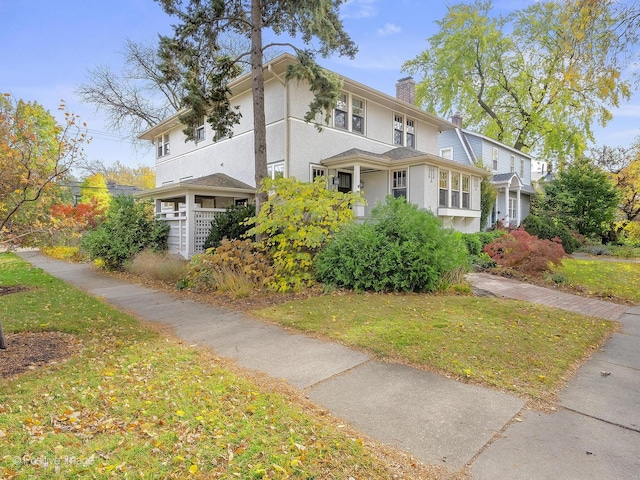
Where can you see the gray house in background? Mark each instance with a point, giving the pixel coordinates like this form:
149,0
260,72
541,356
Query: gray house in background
511,170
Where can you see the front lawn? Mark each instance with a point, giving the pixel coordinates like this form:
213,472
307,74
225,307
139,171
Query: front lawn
134,403
617,280
507,344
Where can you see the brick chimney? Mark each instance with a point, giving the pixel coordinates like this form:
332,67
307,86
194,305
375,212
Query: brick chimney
406,90
456,119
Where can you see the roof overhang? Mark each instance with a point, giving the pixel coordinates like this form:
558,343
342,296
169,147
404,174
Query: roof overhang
379,162
175,190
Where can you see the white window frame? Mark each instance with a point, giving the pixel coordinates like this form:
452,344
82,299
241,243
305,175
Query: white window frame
513,163
494,157
275,170
443,175
405,127
347,107
199,132
399,183
456,185
522,162
443,153
162,145
465,185
512,210
317,171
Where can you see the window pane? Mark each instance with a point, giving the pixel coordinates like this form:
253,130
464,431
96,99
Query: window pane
465,200
358,107
357,124
443,197
444,179
340,119
455,182
397,137
465,183
455,198
411,141
400,192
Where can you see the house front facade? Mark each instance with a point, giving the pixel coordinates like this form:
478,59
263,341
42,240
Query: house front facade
510,171
373,143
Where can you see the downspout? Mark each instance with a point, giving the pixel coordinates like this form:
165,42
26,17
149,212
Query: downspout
286,133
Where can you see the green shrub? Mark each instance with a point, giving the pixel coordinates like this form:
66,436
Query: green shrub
473,242
296,221
236,266
229,225
525,253
129,228
548,228
401,249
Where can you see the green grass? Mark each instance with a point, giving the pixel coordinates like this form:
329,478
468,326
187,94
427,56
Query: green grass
133,403
602,278
510,345
624,251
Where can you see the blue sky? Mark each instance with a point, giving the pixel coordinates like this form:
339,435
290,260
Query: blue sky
49,45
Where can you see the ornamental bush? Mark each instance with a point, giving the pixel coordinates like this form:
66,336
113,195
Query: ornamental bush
230,225
525,253
295,222
129,228
401,249
548,228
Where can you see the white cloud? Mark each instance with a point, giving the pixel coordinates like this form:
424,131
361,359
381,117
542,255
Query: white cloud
359,9
632,110
389,29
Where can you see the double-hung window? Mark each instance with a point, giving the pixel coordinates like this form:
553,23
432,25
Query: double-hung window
443,200
399,183
513,163
199,131
494,157
455,190
349,113
466,182
404,131
522,168
162,143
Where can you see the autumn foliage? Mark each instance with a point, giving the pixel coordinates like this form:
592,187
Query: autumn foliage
525,253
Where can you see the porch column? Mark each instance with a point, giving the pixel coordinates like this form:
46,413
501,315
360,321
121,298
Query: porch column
506,205
518,214
358,208
190,226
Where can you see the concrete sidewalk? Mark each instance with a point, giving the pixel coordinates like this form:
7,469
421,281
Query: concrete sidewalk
437,419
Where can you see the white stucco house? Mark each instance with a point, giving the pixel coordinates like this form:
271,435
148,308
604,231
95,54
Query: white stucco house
374,143
510,170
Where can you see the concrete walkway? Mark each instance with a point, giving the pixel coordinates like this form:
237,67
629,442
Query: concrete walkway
594,434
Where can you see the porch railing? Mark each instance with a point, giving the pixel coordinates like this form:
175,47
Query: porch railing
180,221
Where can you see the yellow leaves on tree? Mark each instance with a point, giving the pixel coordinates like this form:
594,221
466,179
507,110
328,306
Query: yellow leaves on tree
94,191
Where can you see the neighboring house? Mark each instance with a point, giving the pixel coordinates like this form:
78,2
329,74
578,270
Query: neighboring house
510,169
75,187
374,143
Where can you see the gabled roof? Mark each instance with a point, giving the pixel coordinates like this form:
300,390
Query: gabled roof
507,177
495,142
219,180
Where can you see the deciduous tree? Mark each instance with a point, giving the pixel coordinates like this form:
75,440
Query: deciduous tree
201,24
35,152
537,79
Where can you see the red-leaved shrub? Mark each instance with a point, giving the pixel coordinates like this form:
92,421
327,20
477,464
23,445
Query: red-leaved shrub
525,253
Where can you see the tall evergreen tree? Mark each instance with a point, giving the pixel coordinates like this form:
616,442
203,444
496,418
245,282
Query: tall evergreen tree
201,25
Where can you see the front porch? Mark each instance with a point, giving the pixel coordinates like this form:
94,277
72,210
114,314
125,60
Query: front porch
512,201
190,206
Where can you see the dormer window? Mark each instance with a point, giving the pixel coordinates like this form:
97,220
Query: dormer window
162,143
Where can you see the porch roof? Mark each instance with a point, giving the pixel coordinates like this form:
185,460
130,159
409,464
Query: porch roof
214,184
506,178
396,157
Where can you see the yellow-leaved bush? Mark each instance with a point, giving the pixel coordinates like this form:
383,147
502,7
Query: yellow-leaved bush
295,222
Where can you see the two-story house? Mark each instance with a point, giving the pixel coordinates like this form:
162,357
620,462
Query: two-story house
510,170
374,144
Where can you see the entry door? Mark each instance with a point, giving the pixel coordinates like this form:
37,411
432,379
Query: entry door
344,182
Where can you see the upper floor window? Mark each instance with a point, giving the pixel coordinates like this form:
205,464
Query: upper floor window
494,157
404,131
275,170
199,131
340,112
522,168
357,115
399,183
447,153
513,163
162,143
443,199
349,113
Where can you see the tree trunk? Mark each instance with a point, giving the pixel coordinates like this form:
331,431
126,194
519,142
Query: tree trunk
257,76
3,343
